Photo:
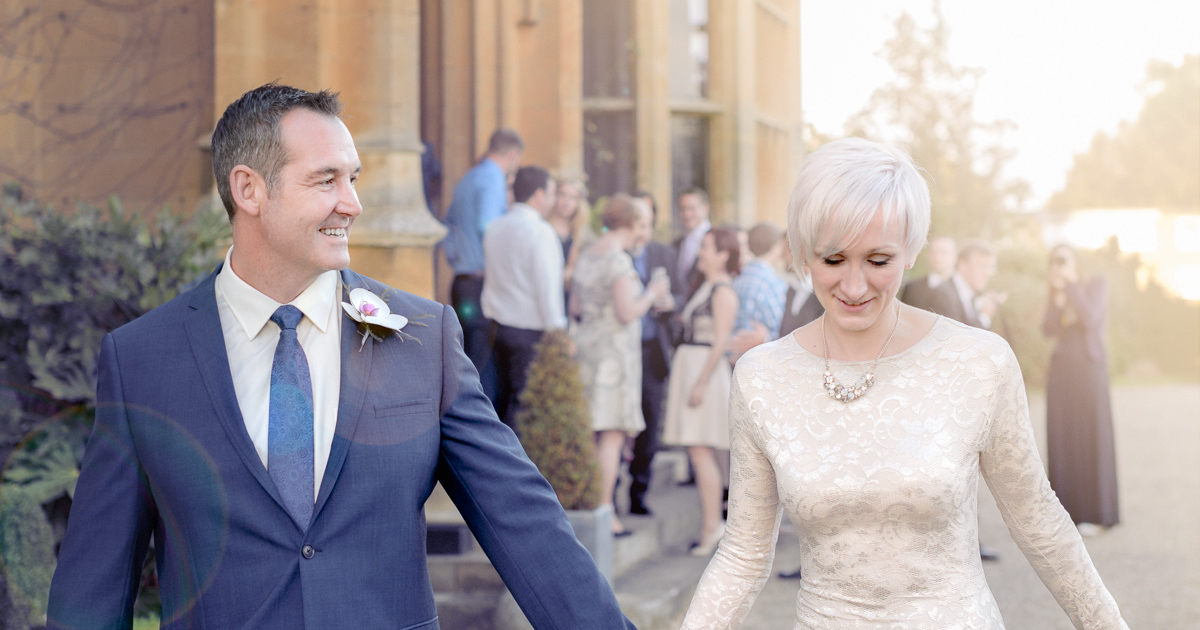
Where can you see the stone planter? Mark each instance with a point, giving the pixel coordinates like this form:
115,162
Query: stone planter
593,528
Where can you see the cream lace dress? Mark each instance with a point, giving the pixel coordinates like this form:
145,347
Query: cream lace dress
883,490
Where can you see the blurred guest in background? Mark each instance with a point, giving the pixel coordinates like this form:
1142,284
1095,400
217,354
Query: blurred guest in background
942,256
609,300
693,217
480,197
965,296
698,393
760,290
569,218
1079,431
800,305
523,286
650,258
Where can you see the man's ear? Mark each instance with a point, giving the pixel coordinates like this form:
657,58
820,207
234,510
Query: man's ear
248,189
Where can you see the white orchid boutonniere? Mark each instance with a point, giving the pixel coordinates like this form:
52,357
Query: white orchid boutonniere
375,319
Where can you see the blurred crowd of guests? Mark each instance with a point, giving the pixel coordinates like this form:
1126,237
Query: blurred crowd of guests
658,326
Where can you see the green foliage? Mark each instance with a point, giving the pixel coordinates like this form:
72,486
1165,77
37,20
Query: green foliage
26,551
1152,162
556,426
929,110
68,278
46,464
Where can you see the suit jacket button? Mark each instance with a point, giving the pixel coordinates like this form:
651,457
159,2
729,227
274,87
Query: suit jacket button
308,552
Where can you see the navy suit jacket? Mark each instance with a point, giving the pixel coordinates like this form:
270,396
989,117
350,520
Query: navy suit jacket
170,457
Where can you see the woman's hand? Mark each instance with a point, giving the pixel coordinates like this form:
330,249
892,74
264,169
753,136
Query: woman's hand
696,398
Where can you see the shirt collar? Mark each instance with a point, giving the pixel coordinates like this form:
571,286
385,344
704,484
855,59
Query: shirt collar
964,289
699,231
935,279
252,309
525,209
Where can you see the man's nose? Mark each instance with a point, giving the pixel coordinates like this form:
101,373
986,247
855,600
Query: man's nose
348,203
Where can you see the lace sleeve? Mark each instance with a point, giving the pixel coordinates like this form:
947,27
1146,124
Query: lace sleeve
743,560
1037,521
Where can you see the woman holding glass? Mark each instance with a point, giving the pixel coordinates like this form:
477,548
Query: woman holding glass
697,415
871,426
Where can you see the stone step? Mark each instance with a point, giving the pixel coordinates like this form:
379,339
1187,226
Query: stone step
654,576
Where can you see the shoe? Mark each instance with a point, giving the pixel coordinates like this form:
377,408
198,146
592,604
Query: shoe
790,575
637,506
987,554
709,544
1090,529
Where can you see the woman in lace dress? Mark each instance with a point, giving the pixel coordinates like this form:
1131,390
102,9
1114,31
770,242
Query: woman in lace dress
870,427
608,299
697,415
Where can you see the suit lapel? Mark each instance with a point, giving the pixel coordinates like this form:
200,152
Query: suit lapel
203,329
355,374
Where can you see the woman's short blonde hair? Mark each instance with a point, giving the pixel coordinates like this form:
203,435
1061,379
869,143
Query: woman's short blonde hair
840,188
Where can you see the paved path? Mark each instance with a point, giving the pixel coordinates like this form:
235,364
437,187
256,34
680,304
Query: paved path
1150,563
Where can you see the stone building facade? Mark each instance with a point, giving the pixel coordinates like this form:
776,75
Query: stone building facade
100,99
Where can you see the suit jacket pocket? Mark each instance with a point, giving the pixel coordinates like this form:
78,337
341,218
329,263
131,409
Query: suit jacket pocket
396,423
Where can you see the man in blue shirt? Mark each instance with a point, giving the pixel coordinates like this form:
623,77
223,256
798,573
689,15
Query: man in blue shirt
760,291
480,197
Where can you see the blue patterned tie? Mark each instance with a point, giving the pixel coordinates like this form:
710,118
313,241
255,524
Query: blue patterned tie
290,429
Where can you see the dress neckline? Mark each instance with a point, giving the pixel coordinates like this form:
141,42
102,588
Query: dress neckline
791,340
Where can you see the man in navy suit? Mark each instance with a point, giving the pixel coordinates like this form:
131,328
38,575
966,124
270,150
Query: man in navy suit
279,458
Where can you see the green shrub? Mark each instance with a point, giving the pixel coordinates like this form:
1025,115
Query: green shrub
66,279
26,551
556,425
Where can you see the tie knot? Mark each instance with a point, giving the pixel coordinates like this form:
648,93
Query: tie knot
287,317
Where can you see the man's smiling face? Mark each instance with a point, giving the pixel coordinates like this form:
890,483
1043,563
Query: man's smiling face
307,217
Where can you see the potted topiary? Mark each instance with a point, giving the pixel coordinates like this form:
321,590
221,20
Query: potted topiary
557,435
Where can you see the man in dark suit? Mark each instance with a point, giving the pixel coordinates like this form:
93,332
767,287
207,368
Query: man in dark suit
279,443
693,217
657,338
964,297
801,305
942,256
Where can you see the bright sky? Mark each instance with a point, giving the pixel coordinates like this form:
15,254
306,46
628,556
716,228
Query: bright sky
1060,69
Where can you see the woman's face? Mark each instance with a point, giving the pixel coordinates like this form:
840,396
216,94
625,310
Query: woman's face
709,259
566,204
858,284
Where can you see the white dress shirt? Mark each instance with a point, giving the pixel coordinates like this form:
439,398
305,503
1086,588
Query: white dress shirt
967,296
523,281
689,248
250,340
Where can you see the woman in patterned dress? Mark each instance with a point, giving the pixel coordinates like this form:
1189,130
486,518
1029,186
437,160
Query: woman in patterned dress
608,299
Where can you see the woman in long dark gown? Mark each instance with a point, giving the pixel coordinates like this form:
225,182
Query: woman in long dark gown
1079,430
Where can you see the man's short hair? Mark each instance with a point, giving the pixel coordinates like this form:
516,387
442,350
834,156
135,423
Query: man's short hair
504,140
248,133
697,192
762,238
528,181
970,249
650,201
